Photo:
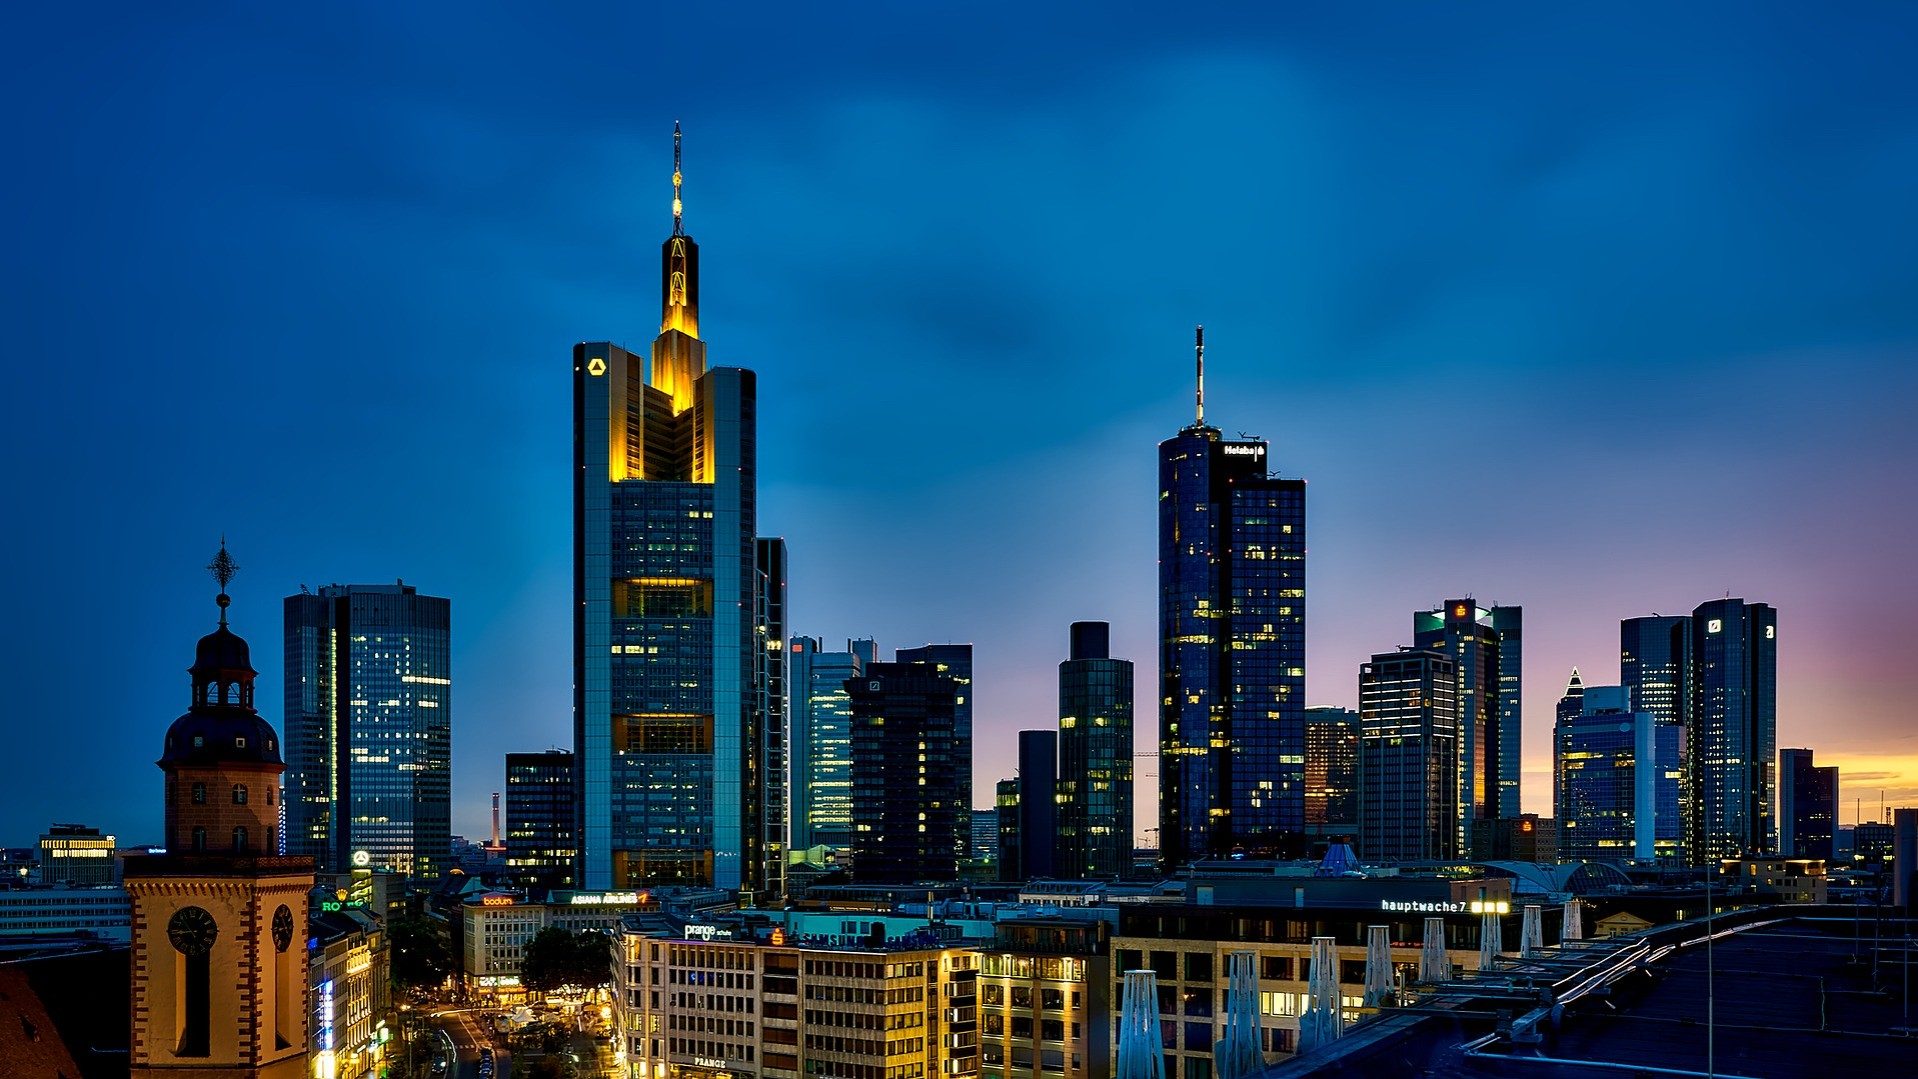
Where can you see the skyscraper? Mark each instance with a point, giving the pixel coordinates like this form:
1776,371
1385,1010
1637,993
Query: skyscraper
907,804
1408,756
1095,757
1617,772
1807,805
769,695
1735,717
1231,648
218,986
821,710
1038,804
1331,772
954,661
1490,684
540,846
369,717
671,612
1655,667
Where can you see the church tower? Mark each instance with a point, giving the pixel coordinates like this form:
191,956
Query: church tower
219,920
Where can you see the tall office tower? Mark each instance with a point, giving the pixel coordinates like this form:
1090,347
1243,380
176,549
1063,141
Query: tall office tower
1331,772
769,681
985,837
1735,724
821,710
1807,805
1095,757
907,801
1655,667
1509,624
369,721
1617,772
670,693
955,661
1231,648
540,845
1408,756
1489,683
218,986
1005,811
1038,804
1572,704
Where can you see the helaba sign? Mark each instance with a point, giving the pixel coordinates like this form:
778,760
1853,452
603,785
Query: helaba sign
1243,449
1421,906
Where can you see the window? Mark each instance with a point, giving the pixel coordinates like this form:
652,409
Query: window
199,839
239,794
239,839
199,794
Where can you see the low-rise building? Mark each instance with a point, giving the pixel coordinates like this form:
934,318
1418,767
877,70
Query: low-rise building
736,997
1791,880
349,989
103,912
1045,1004
497,925
77,856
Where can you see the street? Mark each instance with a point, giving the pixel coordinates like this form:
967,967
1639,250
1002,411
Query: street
467,1032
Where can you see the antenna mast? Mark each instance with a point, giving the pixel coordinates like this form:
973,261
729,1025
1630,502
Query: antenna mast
1198,347
678,230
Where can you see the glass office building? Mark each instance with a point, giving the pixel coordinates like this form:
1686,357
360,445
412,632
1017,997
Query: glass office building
1331,772
821,709
1408,756
540,848
955,662
1734,671
1490,686
369,729
907,803
1231,651
674,598
1617,772
1095,757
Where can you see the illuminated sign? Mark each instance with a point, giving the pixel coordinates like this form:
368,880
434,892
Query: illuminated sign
1714,625
709,1062
1421,906
325,1013
362,858
600,898
330,905
595,366
496,901
779,937
1491,906
1771,632
1242,449
708,932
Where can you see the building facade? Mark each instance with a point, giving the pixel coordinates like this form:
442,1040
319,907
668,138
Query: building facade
1807,806
1038,804
349,990
1490,685
99,911
1617,783
219,987
821,709
77,856
1331,772
907,797
1231,649
540,846
955,662
670,684
1095,757
1045,1005
1735,727
1655,667
1408,756
370,723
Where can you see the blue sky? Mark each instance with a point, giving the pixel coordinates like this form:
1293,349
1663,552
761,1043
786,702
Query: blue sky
1598,315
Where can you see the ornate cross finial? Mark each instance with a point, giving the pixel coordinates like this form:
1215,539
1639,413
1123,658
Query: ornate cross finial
677,207
223,568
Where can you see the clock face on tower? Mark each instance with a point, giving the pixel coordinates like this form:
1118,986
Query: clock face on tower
192,931
282,927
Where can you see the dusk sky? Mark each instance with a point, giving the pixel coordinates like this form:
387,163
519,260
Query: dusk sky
1597,316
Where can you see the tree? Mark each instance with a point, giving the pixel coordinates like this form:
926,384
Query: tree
593,960
546,963
419,956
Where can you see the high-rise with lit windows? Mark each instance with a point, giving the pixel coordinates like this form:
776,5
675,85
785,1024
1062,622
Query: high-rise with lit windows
1807,805
1095,757
369,725
1231,648
1485,649
674,606
1408,756
1734,741
821,710
540,849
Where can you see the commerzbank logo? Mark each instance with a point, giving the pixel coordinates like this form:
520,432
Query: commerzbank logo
595,366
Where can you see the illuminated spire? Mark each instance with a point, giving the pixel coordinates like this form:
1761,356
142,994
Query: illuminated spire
678,207
1199,348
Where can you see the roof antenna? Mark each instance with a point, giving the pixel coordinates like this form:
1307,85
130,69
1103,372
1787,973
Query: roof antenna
223,568
1198,347
678,230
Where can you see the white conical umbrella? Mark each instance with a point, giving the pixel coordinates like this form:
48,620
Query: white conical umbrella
1531,937
1140,1053
1489,940
1237,1054
1378,966
1573,927
1434,964
1323,1020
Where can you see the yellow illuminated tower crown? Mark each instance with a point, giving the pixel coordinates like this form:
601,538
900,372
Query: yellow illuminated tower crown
679,356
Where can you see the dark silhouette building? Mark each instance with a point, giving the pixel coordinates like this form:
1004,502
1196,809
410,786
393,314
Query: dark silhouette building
907,805
1807,805
1231,648
1095,757
955,662
1038,804
540,845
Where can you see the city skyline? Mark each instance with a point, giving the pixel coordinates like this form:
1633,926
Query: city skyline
897,515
